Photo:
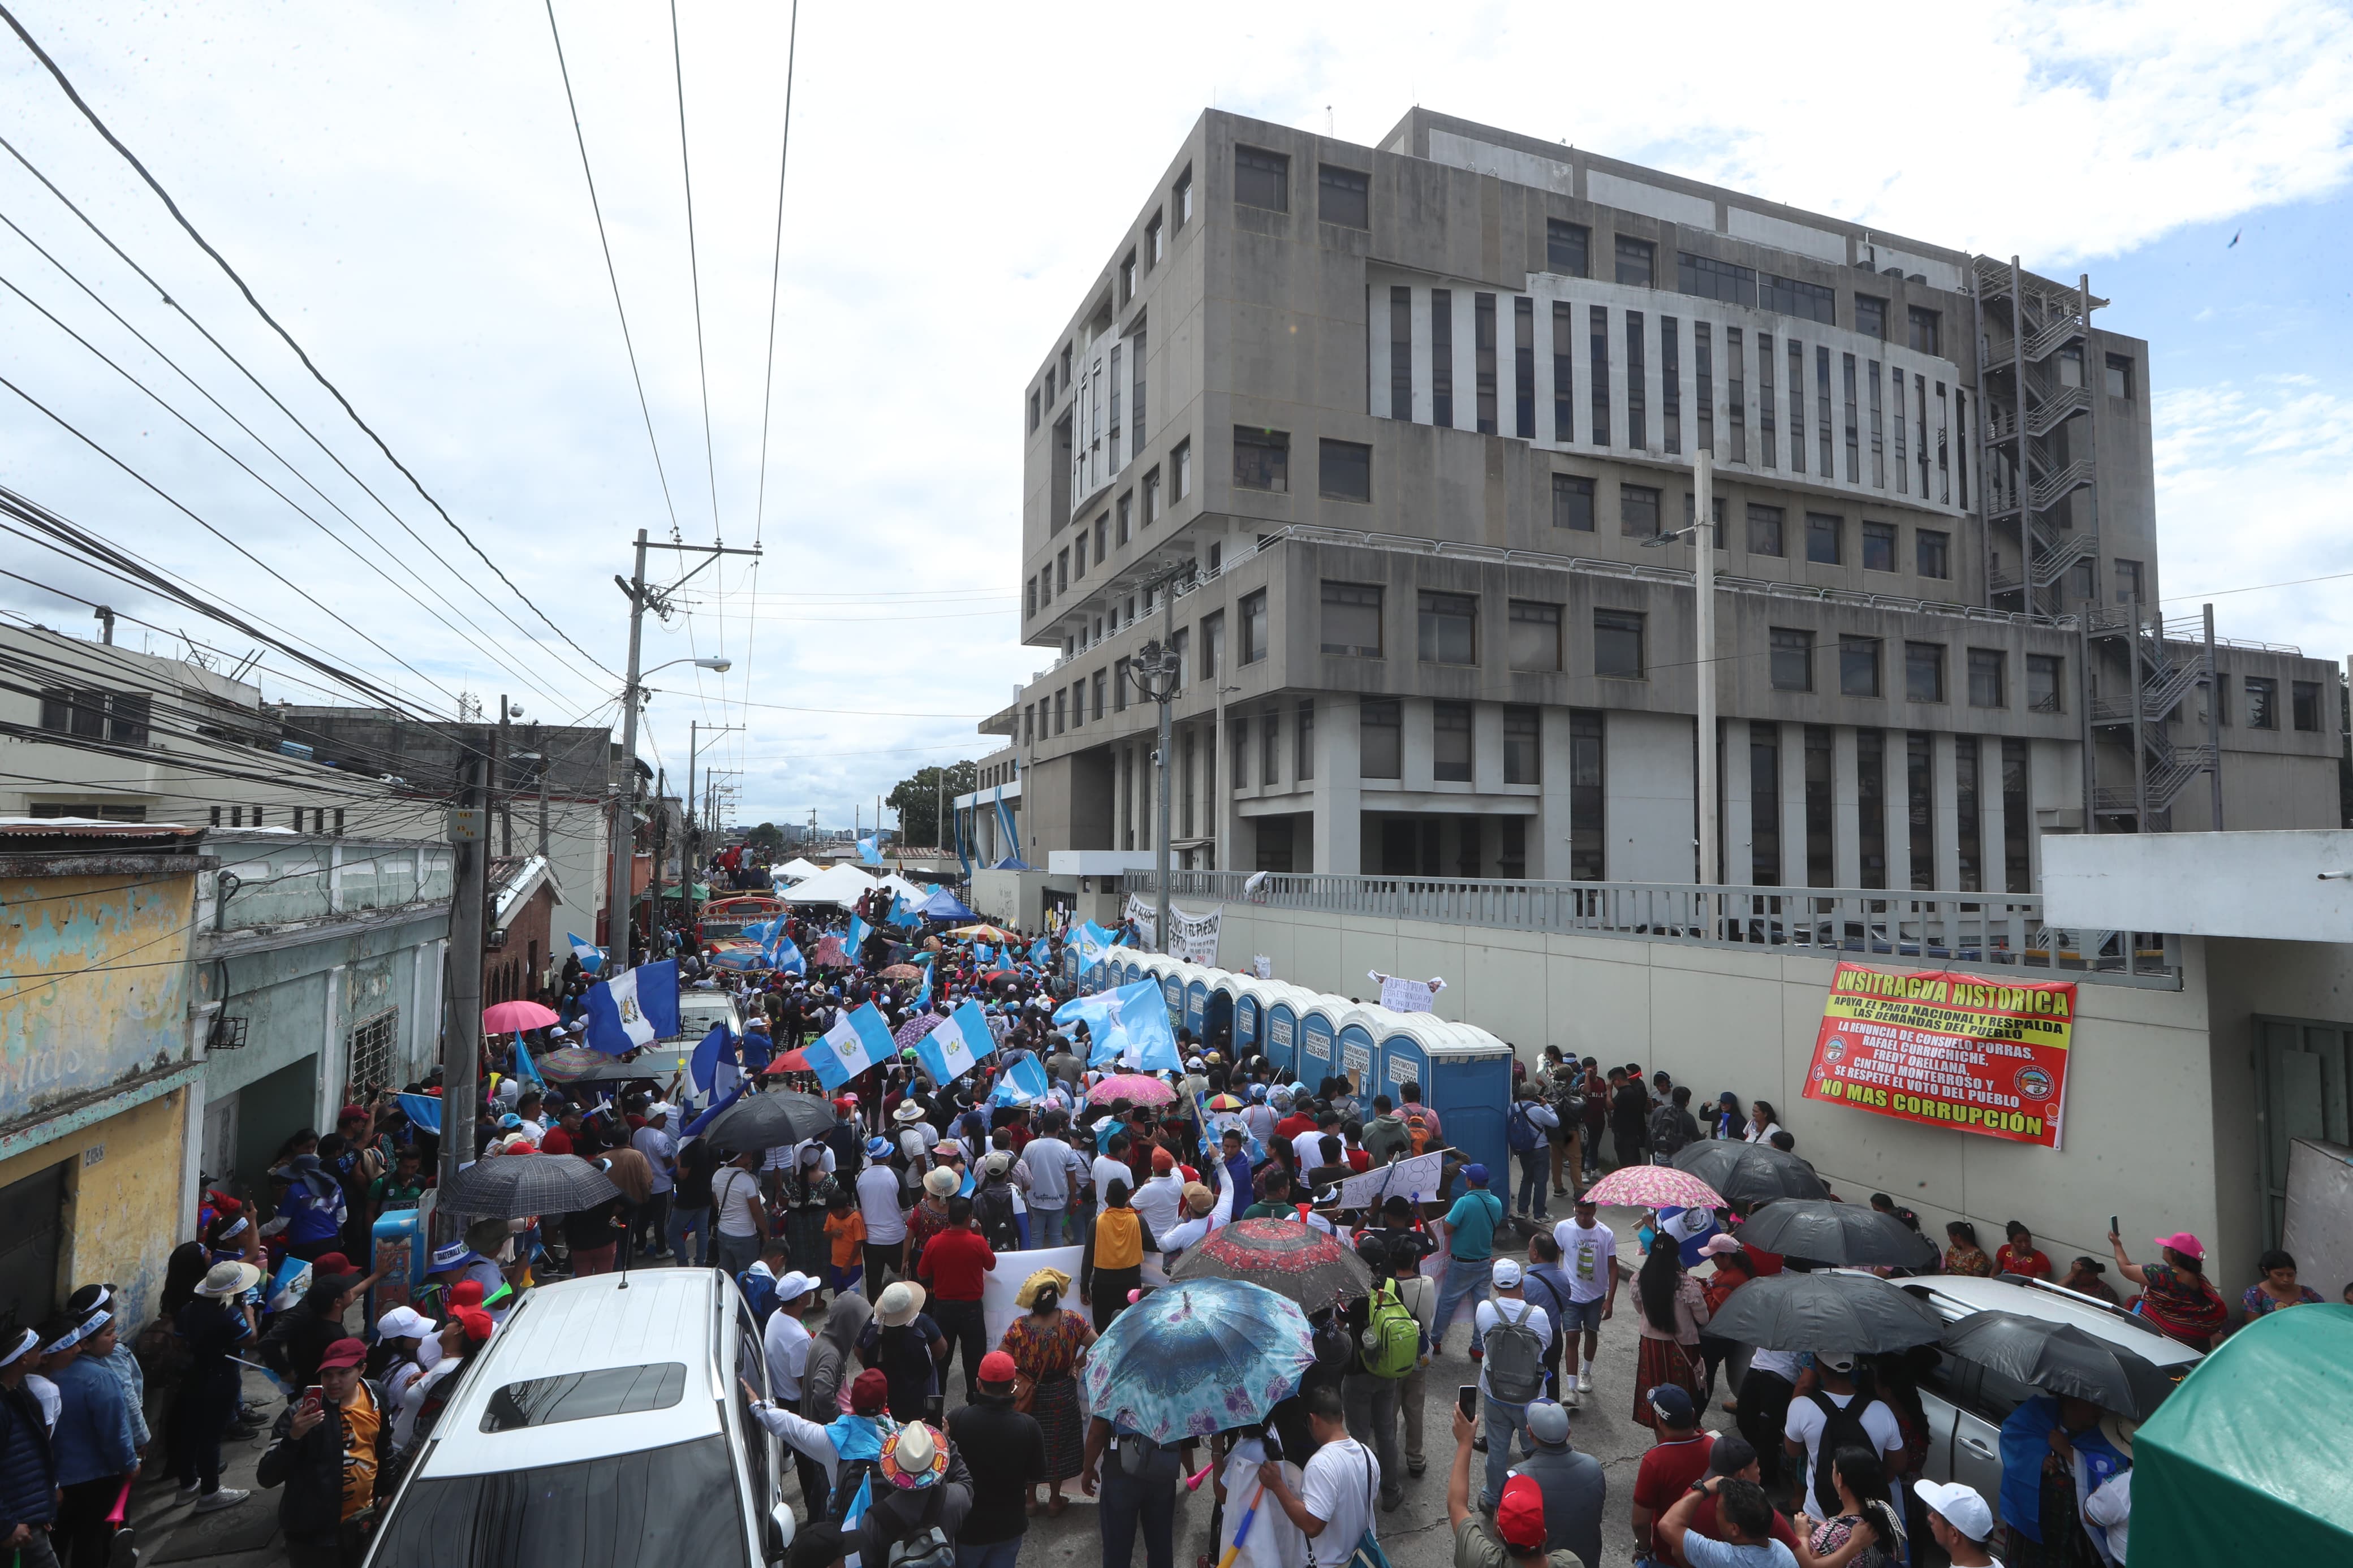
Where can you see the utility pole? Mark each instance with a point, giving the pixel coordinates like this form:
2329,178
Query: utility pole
538,744
640,596
1704,524
462,1033
499,785
1153,670
2213,720
694,850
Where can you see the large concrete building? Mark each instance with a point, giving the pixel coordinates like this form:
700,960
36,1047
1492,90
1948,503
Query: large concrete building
1380,439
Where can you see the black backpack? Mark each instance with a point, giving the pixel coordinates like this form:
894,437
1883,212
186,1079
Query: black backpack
1841,1428
992,1211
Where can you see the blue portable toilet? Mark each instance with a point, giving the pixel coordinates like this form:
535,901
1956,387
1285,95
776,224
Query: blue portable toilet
1217,1009
1354,1054
1247,1012
1282,1034
1196,997
1465,1074
1317,1026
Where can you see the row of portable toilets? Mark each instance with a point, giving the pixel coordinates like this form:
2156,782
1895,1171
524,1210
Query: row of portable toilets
1465,1073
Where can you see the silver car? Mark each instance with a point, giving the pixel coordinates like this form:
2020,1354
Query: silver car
1966,1404
603,1426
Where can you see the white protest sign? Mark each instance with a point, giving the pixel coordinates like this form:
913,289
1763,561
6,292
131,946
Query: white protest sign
1400,995
1404,1179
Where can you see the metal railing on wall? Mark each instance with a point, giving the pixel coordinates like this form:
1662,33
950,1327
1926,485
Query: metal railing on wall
1962,930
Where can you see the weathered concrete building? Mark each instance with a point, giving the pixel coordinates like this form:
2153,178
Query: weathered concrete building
1380,440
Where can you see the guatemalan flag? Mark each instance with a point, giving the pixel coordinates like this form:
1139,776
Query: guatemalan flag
1041,952
591,957
1129,1025
634,1008
784,956
956,1046
1024,1083
869,853
858,1040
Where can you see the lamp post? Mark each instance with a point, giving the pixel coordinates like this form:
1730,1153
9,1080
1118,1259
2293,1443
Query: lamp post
624,822
1702,530
1154,669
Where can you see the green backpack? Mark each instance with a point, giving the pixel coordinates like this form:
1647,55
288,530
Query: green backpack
1392,1337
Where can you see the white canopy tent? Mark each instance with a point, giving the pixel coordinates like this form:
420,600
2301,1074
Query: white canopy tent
843,884
798,870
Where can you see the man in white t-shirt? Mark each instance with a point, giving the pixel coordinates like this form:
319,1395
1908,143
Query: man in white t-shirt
1109,1167
661,1150
1333,1505
785,1340
1807,1418
1509,1304
1589,1255
886,1222
742,1219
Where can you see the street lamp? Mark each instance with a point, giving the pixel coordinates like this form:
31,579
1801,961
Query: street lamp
1702,530
1154,669
617,922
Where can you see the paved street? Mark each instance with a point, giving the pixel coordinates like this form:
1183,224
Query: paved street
1415,1535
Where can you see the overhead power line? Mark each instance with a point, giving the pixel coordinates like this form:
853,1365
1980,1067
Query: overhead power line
288,338
693,266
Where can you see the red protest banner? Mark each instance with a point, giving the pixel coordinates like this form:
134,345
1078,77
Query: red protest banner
1954,1050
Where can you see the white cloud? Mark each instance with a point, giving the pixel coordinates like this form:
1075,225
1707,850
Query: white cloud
399,182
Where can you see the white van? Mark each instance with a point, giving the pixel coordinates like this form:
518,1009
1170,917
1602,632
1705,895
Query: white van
602,1427
1966,1404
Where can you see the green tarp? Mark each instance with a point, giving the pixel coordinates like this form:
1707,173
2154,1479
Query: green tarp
2252,1458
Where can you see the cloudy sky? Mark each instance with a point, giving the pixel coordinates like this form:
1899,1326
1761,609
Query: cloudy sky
400,185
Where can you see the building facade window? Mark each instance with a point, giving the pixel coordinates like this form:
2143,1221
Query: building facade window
1572,502
2046,689
1636,396
1302,758
1858,666
1920,806
1483,359
1269,747
1638,511
1764,529
1870,316
1522,748
1344,196
2128,581
1736,394
1152,497
1795,297
1563,371
1670,387
1634,257
1252,610
1344,470
1618,644
1441,358
1524,367
1352,620
1597,374
1825,538
1447,628
1587,769
2120,376
1704,373
1402,353
1181,197
1870,804
1381,739
2262,702
1451,741
1792,660
1566,247
2303,699
1879,547
1262,179
1989,678
1926,336
1534,637
1966,815
1924,671
1764,806
1712,279
2017,818
1261,459
1821,813
1932,551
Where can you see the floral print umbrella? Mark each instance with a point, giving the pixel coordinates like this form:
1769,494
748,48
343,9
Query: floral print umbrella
1652,1187
1197,1358
1133,1086
1295,1260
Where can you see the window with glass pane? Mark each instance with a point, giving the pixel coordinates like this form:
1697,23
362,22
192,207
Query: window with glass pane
1565,244
1597,374
1253,626
1449,742
1989,678
1671,386
1795,297
2120,376
1270,746
1302,758
1483,359
1792,660
1923,330
1764,806
1823,538
1441,358
1638,511
2303,699
1344,196
1352,620
1400,353
2263,702
1381,739
1238,752
1523,368
1924,671
1931,549
1261,459
1522,754
1563,371
1618,644
1262,179
1879,547
1966,813
1572,502
1586,804
2128,588
1871,315
1712,279
1920,806
1344,470
1448,628
2044,693
1858,667
1535,635
1870,804
1634,261
1764,529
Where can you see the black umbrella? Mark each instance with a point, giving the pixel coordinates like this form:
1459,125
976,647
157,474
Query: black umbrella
1749,1173
2060,1358
766,1120
1857,1312
515,1186
1844,1233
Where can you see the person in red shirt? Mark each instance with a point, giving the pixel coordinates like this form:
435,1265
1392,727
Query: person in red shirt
558,1140
1679,1458
1292,1125
953,1261
2018,1255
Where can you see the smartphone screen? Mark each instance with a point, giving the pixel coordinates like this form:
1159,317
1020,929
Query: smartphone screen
1467,1396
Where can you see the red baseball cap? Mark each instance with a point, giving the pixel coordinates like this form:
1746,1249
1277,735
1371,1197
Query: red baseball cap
1519,1515
343,1352
998,1367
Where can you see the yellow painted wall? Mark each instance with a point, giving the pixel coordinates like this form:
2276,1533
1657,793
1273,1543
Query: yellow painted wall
122,1213
64,1033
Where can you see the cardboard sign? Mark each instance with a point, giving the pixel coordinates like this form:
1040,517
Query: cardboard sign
1964,1051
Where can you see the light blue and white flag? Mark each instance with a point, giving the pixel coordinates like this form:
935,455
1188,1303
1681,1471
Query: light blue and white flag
526,1069
857,1041
1093,945
591,957
983,957
424,1110
1042,952
956,1046
1023,1083
858,931
633,1009
782,955
902,913
869,853
1128,1025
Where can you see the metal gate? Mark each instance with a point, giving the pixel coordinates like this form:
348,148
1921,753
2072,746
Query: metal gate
2307,1092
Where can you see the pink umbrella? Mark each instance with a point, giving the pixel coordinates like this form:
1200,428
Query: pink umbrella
514,1017
1654,1186
1133,1088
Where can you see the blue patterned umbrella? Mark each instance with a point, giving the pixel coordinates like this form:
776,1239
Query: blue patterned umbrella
1197,1358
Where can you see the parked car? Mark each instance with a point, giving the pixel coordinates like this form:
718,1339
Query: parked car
1966,1404
698,1009
602,1427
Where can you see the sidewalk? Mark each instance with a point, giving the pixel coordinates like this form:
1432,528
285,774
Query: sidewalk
245,1536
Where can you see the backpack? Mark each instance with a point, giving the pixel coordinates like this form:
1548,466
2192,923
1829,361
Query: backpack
1666,1130
992,1209
1520,1130
1841,1429
1515,1369
1416,1128
759,1294
1392,1336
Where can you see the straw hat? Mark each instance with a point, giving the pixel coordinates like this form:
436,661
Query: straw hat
899,1304
229,1279
942,1182
1027,1297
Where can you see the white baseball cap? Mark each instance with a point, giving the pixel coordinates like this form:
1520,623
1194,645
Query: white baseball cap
1507,1274
1962,1508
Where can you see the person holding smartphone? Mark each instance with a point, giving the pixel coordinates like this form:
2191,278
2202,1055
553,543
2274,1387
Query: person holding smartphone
327,1449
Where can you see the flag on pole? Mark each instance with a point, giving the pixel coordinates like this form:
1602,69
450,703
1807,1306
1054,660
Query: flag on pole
524,1066
633,1009
869,853
858,931
857,1041
703,1064
1023,1083
1041,952
782,955
591,957
423,1112
1129,1025
956,1046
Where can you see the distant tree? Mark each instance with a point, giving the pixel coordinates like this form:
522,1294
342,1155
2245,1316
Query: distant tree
767,837
917,800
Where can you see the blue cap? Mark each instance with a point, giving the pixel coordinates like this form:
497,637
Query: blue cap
879,1148
1672,1403
1475,1175
450,1256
